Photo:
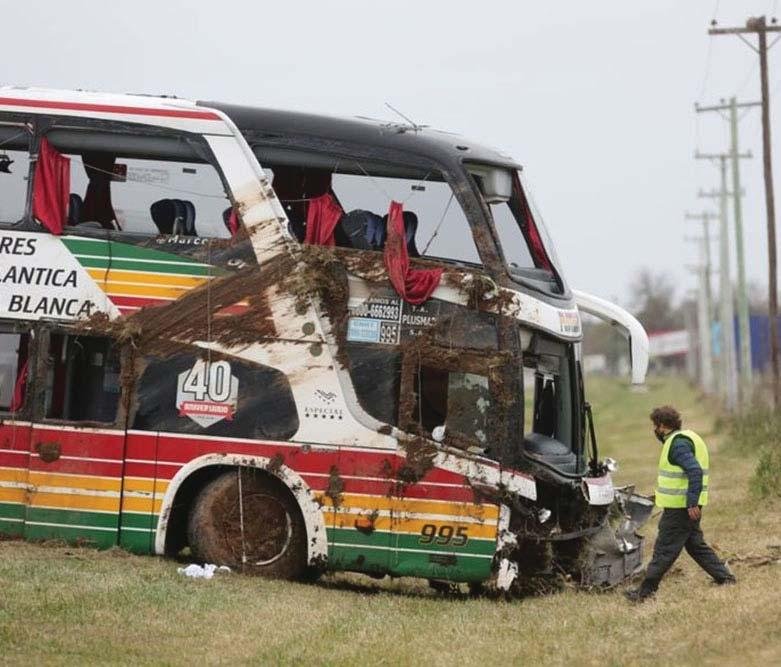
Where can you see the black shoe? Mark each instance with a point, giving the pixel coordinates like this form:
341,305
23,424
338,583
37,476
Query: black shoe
638,594
727,581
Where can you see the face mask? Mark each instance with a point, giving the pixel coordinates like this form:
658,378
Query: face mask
661,437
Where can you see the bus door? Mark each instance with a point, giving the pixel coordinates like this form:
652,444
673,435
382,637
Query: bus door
16,359
77,440
442,528
360,532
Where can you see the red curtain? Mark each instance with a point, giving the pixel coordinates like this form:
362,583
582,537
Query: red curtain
233,222
413,285
536,246
21,384
321,220
52,188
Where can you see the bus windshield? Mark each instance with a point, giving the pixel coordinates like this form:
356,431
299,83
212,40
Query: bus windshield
525,244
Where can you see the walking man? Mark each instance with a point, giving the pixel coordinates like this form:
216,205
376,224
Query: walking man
682,492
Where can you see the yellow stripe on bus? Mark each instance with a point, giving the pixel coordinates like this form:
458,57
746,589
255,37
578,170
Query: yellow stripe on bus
369,503
166,279
86,482
134,289
12,495
146,485
74,501
13,475
147,505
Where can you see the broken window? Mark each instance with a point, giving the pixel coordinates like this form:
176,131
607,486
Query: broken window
514,246
14,370
83,378
14,172
147,185
551,414
457,400
434,222
455,393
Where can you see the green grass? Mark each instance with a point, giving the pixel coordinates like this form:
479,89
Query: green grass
63,605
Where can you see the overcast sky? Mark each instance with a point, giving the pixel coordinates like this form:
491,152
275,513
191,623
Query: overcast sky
595,99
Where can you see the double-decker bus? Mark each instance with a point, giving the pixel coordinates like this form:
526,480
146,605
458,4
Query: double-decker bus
292,343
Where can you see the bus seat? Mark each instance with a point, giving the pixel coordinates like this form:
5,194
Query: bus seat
166,214
174,216
357,229
376,232
189,218
75,203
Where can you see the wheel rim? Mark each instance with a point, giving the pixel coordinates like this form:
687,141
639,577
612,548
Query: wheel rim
267,529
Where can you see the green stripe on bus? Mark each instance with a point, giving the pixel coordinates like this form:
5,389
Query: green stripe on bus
11,511
407,564
121,250
197,270
72,517
11,519
137,542
81,535
137,520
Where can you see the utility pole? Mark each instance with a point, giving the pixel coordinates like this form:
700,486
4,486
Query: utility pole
706,217
759,27
742,291
726,311
705,302
703,318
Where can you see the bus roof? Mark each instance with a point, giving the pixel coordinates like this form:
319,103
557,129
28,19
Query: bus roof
255,122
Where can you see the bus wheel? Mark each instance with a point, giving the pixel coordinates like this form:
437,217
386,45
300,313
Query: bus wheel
264,534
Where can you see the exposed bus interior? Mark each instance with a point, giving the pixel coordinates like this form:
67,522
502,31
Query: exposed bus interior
131,182
14,369
82,378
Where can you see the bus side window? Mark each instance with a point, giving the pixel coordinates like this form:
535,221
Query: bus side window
14,350
83,378
142,184
375,371
14,169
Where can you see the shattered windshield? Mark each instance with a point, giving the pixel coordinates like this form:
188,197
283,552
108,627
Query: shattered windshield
435,223
524,241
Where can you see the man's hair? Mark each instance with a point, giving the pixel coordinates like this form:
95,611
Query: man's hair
668,416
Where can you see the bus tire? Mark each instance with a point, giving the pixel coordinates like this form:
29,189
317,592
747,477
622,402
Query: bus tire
266,536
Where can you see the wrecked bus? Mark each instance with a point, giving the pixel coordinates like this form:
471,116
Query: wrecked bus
293,343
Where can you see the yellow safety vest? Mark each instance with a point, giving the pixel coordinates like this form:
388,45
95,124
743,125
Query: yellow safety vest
672,484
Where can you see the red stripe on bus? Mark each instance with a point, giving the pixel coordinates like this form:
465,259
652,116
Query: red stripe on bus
14,459
137,301
80,443
109,108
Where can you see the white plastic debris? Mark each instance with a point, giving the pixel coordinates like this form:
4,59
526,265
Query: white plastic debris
205,571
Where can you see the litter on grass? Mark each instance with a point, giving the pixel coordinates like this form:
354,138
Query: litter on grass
205,571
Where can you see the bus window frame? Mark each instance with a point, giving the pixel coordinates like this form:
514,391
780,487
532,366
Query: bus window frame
42,124
124,400
23,327
28,124
466,362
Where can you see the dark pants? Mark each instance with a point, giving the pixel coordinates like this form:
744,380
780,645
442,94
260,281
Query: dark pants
676,532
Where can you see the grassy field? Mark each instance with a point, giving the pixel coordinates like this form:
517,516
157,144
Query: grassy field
63,605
